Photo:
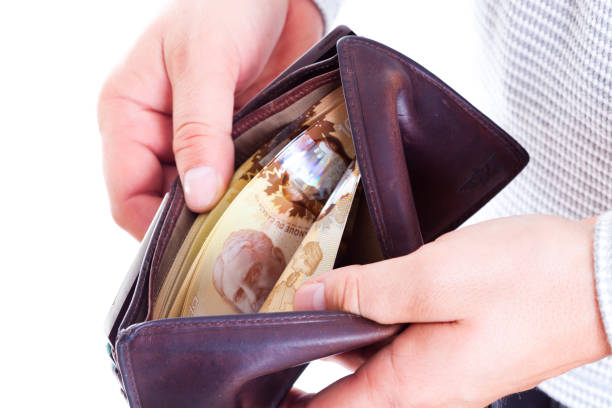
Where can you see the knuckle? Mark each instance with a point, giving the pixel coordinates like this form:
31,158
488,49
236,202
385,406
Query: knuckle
349,296
108,89
107,93
191,135
421,256
183,57
119,215
177,56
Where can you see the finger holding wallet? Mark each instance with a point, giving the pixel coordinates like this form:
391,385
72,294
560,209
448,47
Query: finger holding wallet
495,308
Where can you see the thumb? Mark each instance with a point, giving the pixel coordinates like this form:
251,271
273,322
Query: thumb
203,100
399,290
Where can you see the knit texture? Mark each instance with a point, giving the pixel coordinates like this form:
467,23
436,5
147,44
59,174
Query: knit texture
548,68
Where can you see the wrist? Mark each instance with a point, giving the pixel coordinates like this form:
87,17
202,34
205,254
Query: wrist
577,313
602,265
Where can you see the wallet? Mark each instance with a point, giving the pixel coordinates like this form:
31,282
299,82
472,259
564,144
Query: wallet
428,161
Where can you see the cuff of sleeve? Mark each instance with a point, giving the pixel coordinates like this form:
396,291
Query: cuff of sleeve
602,247
329,10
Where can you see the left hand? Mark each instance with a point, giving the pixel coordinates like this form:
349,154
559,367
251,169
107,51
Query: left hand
495,308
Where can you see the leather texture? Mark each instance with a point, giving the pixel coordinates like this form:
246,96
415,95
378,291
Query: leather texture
238,360
428,160
126,291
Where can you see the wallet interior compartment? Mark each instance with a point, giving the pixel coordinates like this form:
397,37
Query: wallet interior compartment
259,126
359,241
358,245
249,133
167,251
288,83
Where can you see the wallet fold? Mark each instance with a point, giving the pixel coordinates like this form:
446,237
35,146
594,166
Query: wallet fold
428,158
428,161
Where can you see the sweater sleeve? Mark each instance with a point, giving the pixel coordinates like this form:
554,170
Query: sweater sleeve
602,247
329,10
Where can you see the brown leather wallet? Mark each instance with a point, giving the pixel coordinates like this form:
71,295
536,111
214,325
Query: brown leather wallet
428,161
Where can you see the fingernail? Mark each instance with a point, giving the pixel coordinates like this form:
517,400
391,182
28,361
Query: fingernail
200,185
310,297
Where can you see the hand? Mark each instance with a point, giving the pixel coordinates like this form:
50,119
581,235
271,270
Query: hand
168,108
496,308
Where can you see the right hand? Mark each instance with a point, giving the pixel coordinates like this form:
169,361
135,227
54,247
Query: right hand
168,108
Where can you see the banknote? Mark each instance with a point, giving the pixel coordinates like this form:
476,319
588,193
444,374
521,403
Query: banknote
317,252
240,179
171,297
249,246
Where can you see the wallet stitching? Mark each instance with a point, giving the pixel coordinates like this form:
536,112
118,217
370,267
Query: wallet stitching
325,65
270,108
130,375
268,111
292,79
160,248
462,104
152,331
146,263
161,329
367,174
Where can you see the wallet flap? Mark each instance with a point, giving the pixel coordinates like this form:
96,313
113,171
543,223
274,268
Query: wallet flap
428,158
174,360
124,296
160,234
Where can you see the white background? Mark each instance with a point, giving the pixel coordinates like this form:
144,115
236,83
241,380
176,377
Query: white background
62,256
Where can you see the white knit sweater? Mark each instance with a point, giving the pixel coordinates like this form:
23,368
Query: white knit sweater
548,68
